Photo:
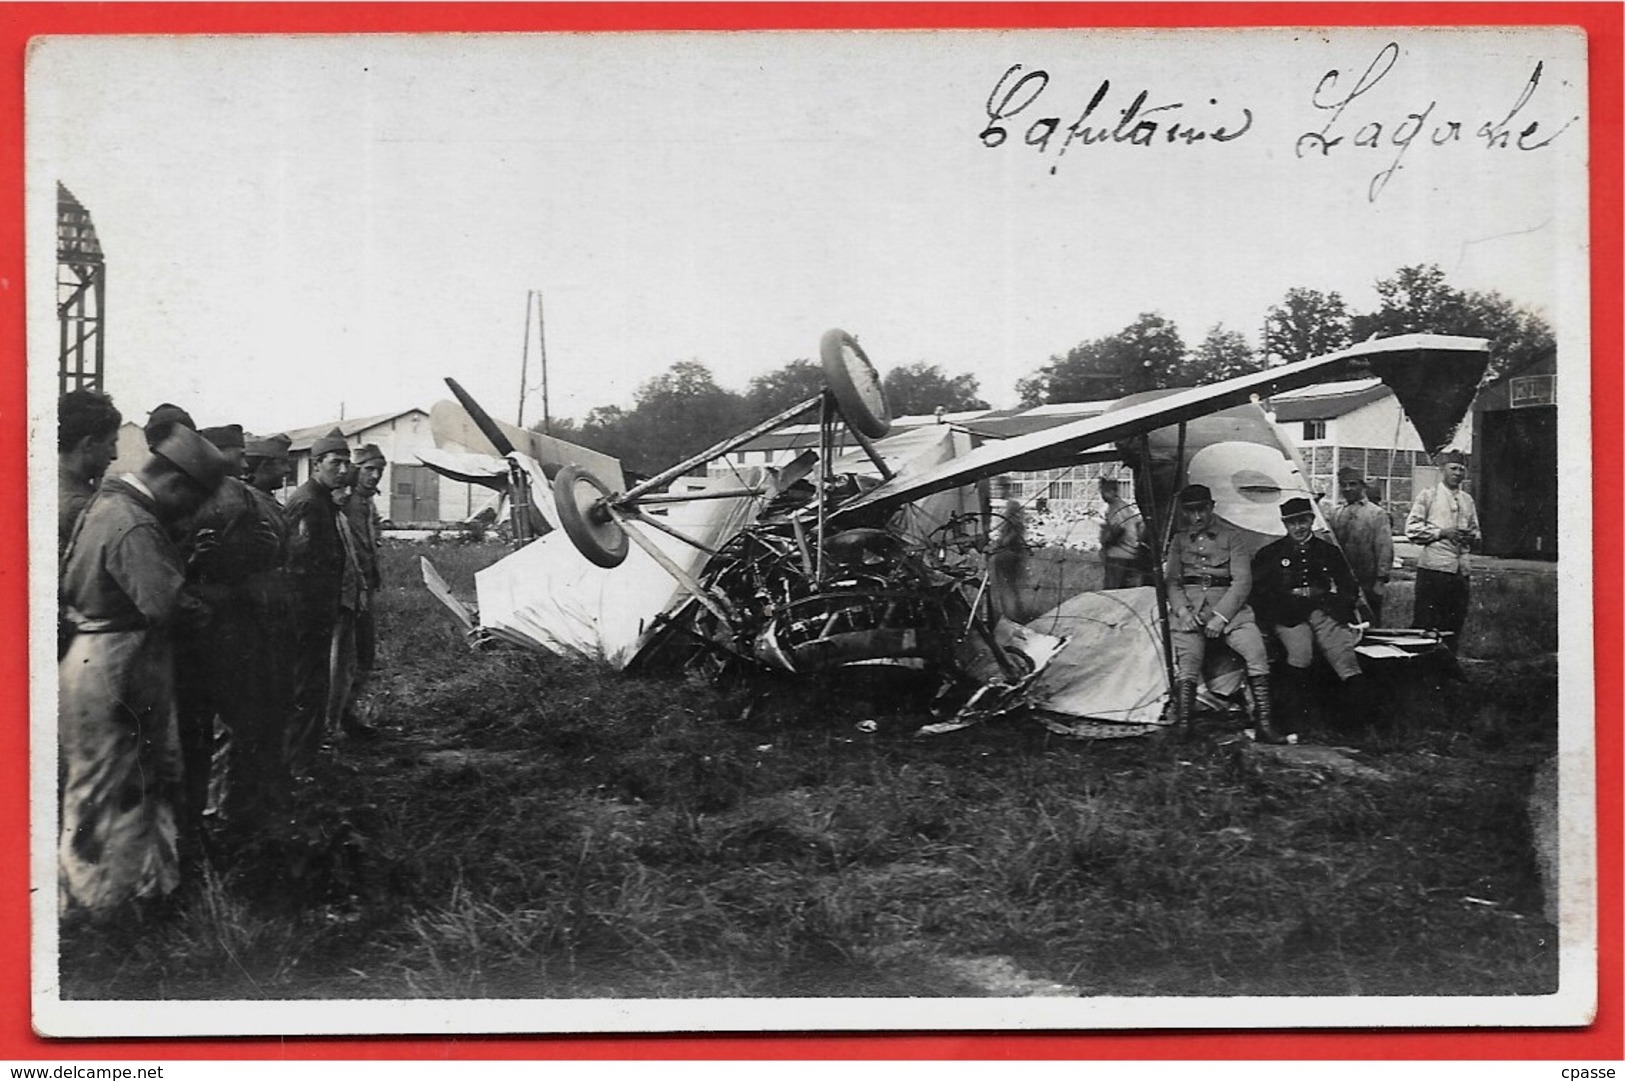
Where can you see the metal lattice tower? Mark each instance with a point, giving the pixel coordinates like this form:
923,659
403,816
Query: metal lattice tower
81,294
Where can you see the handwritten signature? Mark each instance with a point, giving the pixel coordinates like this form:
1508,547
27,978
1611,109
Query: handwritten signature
1495,134
1137,123
1013,111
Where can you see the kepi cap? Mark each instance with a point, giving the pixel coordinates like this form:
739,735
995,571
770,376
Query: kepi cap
1452,457
1194,495
193,455
1348,473
1297,507
368,453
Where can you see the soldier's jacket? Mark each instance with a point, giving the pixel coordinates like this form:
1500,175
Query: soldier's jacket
123,573
1209,569
1282,566
1367,539
233,538
73,495
318,556
275,518
367,527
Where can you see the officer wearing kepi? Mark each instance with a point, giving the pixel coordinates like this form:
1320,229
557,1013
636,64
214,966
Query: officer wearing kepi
1304,588
1209,576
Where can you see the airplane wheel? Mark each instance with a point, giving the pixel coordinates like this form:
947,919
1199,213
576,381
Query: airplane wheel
595,534
856,386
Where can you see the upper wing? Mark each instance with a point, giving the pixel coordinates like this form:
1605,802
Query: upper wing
1434,376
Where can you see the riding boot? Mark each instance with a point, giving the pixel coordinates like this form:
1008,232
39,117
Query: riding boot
1184,703
1263,711
1354,705
1295,710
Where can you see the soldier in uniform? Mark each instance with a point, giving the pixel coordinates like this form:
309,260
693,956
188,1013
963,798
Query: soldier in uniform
325,584
1120,537
1209,576
1444,521
1007,555
123,594
265,469
86,444
235,552
356,658
163,420
1305,589
1366,536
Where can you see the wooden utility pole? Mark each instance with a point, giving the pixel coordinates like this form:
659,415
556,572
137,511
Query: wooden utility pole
524,361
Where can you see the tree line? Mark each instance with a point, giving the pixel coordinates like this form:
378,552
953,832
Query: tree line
683,410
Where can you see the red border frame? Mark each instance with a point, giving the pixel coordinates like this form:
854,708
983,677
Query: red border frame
1604,24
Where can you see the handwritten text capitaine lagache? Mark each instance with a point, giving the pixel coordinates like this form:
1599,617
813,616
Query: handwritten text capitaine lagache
1014,112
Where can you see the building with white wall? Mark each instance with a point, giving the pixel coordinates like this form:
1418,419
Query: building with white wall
410,492
1359,424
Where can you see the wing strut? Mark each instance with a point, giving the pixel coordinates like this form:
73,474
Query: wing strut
1159,581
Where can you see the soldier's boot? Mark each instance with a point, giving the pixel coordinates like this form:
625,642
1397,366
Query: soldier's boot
1294,702
1263,711
1354,706
353,722
1184,704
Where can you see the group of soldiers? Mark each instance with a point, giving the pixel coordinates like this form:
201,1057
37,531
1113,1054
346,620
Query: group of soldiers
212,641
1307,591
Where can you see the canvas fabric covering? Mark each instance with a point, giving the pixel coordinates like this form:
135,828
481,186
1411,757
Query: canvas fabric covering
548,595
1112,667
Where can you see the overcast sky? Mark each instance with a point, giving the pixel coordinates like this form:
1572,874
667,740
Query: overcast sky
296,227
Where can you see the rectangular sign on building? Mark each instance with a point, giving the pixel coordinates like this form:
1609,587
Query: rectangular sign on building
1527,390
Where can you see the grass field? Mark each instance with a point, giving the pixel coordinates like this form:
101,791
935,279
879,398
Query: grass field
535,826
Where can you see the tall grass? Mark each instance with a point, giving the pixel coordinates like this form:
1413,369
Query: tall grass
532,826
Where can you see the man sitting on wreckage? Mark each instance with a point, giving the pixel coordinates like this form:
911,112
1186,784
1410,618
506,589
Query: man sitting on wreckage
1304,588
1209,575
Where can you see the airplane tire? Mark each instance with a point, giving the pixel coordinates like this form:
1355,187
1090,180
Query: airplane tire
855,384
598,537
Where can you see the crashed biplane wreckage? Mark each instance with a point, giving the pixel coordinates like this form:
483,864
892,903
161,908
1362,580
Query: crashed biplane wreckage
866,549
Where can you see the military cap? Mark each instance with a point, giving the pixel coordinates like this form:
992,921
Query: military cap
1452,457
272,446
1195,495
368,453
226,436
1348,473
162,420
193,455
1297,507
331,443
